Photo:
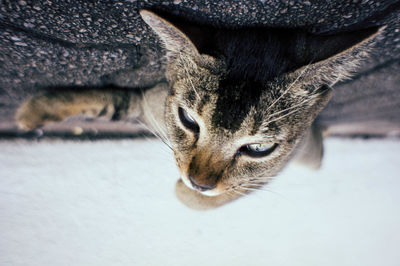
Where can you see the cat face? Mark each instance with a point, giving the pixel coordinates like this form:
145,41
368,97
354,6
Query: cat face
231,134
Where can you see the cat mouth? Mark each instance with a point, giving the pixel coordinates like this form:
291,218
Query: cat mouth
202,188
211,191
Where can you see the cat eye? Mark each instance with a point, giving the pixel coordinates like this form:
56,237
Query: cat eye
258,149
188,121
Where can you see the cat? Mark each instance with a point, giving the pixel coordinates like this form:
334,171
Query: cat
235,107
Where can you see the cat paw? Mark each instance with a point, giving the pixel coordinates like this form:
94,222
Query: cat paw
32,114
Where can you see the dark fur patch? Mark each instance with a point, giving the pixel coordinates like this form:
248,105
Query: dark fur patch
263,55
234,102
190,96
250,64
121,101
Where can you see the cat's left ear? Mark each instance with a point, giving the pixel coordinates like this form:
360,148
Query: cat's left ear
175,41
333,58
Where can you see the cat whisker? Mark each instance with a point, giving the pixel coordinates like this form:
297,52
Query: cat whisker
188,75
254,187
283,116
250,188
289,87
157,129
155,134
239,192
236,190
254,183
259,188
166,155
306,100
231,193
289,108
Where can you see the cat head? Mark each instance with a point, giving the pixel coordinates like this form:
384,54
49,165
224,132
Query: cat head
233,134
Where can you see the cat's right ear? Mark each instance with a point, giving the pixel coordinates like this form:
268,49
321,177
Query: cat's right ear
175,41
333,58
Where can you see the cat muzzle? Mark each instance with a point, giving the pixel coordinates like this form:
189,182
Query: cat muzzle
201,187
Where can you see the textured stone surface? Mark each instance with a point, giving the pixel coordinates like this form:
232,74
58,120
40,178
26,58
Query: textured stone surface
94,43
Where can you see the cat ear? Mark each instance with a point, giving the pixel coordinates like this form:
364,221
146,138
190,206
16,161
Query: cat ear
175,41
330,59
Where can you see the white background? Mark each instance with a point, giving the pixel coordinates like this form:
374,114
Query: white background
112,203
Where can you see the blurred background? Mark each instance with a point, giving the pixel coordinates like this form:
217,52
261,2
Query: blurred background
99,193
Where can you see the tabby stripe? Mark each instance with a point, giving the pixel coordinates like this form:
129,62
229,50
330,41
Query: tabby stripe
121,102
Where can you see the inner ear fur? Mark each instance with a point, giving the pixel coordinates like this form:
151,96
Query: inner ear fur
327,59
184,42
173,38
198,35
315,48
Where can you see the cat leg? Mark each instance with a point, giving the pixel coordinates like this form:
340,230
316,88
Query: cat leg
58,105
310,151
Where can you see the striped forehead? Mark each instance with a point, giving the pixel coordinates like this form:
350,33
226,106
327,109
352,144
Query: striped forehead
196,89
235,101
229,104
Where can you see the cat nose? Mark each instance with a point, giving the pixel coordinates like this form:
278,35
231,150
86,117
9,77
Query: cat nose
201,187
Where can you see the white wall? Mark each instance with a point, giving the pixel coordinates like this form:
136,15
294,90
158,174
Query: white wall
112,203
